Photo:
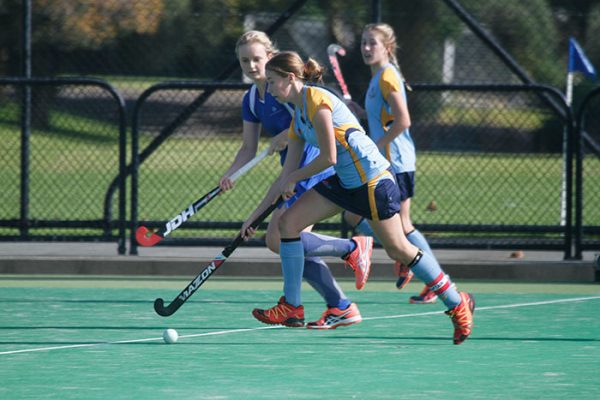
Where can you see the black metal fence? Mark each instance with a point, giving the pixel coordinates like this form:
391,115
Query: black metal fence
500,165
56,171
490,159
587,174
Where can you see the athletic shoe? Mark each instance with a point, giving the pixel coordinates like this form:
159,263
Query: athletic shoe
334,317
426,296
282,314
462,317
403,273
359,259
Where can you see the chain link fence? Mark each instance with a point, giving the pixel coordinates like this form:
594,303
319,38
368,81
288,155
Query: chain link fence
490,166
60,171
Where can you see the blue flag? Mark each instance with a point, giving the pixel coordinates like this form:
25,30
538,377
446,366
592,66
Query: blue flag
578,62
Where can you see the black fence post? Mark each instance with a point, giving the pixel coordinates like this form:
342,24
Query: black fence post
376,11
106,222
580,154
25,120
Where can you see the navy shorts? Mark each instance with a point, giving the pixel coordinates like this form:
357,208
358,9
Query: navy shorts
376,200
406,183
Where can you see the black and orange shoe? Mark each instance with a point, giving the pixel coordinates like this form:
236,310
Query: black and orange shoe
282,314
403,273
427,296
334,317
462,317
359,259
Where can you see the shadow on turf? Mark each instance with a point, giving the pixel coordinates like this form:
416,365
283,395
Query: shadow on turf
124,328
445,338
117,301
159,341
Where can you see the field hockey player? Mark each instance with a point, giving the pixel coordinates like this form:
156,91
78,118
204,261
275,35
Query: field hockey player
362,184
260,109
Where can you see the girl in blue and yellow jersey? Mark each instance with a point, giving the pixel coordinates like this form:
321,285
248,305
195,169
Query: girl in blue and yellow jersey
389,121
261,110
362,184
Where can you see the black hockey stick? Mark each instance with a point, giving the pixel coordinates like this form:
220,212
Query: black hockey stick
159,304
148,237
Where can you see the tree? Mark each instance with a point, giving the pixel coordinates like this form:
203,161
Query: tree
69,25
59,26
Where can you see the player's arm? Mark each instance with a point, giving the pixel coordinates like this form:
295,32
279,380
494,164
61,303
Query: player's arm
250,135
292,160
279,142
401,115
323,124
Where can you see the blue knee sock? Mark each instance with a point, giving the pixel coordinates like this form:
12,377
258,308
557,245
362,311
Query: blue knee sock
417,238
319,276
364,228
291,252
427,269
323,245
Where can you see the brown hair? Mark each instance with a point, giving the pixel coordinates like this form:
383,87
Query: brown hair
287,62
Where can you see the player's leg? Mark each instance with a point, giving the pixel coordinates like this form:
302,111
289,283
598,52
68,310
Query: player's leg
359,224
406,183
340,311
306,211
316,271
425,267
386,223
414,236
356,252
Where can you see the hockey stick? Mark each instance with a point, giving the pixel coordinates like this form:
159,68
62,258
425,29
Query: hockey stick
147,237
332,51
159,304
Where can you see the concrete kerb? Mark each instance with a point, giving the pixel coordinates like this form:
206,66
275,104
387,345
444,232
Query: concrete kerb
102,259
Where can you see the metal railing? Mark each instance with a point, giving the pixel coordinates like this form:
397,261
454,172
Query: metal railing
106,223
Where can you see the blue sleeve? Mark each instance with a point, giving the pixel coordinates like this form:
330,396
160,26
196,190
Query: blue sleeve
246,112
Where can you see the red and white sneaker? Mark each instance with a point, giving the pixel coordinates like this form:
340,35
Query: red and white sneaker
426,296
359,259
403,273
334,317
462,317
281,314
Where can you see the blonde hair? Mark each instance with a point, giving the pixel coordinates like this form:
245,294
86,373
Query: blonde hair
388,38
287,62
256,37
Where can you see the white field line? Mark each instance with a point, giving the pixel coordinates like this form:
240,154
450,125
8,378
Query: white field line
230,331
537,303
154,339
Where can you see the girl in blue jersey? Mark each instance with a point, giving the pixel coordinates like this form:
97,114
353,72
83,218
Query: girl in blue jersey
362,184
389,122
260,109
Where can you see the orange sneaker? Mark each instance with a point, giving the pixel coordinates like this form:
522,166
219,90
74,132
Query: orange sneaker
334,317
462,317
282,314
427,296
359,259
403,273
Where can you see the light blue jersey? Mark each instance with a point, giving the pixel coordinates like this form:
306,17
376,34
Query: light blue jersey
401,151
275,118
358,160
